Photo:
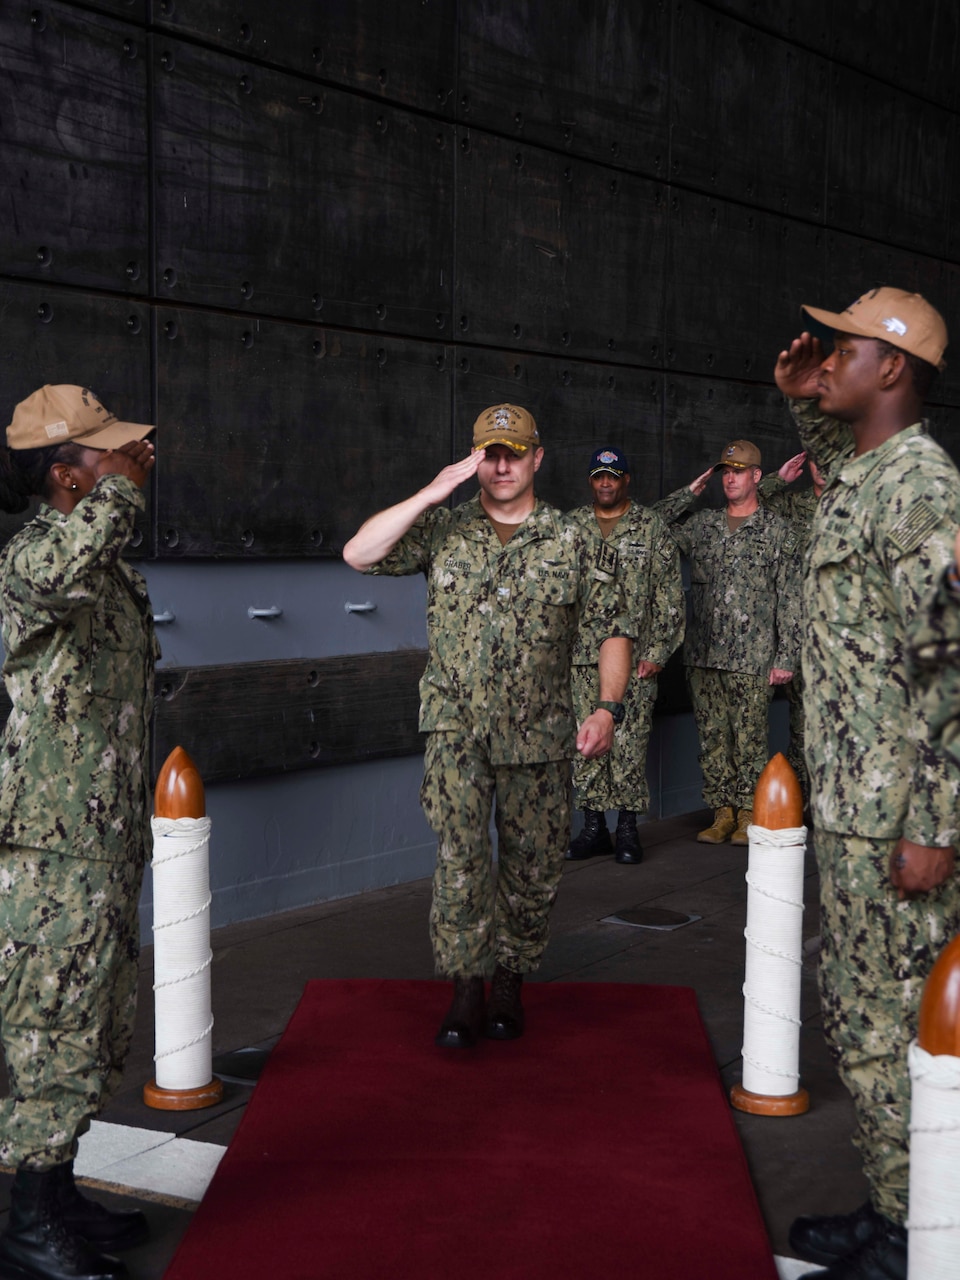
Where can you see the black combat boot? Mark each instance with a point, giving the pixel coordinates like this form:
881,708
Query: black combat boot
629,848
461,1027
102,1227
825,1237
38,1244
505,1012
593,840
883,1258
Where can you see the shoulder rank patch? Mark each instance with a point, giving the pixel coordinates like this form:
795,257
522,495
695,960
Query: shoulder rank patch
912,527
607,558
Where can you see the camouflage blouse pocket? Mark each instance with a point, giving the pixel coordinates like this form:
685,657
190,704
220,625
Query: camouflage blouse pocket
551,584
836,569
116,640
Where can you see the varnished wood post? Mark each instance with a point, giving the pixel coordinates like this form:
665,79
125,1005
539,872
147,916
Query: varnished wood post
933,1219
774,946
179,795
939,1027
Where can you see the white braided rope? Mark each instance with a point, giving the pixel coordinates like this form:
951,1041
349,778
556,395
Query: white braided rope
934,1216
769,1010
768,1070
771,989
182,955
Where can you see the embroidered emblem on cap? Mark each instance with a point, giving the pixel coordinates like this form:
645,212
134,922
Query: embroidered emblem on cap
502,418
55,430
607,456
893,325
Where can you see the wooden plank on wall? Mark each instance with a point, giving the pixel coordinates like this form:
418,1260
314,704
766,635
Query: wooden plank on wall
282,438
587,80
557,254
279,197
402,53
73,147
919,55
248,719
747,114
738,277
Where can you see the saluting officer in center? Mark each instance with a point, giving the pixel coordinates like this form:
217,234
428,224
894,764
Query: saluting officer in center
517,594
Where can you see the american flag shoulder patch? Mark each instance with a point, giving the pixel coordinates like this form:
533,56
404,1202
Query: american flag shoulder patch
913,526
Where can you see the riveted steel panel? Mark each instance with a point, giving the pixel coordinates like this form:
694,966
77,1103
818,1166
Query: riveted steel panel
279,197
916,49
587,79
889,158
578,407
737,277
73,148
405,53
701,415
281,439
55,335
556,254
747,114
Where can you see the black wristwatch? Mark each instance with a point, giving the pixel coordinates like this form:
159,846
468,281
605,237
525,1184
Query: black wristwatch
616,709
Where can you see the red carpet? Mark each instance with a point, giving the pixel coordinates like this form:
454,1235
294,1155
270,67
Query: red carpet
600,1144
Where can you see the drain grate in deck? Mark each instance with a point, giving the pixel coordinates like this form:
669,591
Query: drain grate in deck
651,918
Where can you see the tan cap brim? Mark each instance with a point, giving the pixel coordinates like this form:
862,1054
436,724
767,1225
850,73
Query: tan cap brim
835,322
511,444
112,437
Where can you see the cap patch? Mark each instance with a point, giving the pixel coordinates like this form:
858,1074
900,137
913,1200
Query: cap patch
56,430
893,325
607,456
502,419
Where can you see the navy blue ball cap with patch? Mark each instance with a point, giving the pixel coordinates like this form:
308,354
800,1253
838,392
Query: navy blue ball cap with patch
607,459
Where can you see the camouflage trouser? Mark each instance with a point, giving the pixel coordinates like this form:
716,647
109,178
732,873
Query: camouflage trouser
472,927
731,711
68,993
876,953
795,757
617,780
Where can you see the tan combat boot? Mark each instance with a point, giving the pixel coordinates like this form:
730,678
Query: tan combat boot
723,823
744,818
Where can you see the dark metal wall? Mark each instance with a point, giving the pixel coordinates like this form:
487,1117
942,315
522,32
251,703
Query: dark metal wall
312,240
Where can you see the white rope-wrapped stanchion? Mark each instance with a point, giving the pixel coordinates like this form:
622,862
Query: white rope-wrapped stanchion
181,942
933,1221
774,934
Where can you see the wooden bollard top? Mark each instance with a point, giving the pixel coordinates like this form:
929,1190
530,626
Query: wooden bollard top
179,789
939,1028
778,800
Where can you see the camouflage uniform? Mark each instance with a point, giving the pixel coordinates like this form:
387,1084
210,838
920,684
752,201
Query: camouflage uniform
935,664
649,568
504,626
881,537
78,636
744,589
797,506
